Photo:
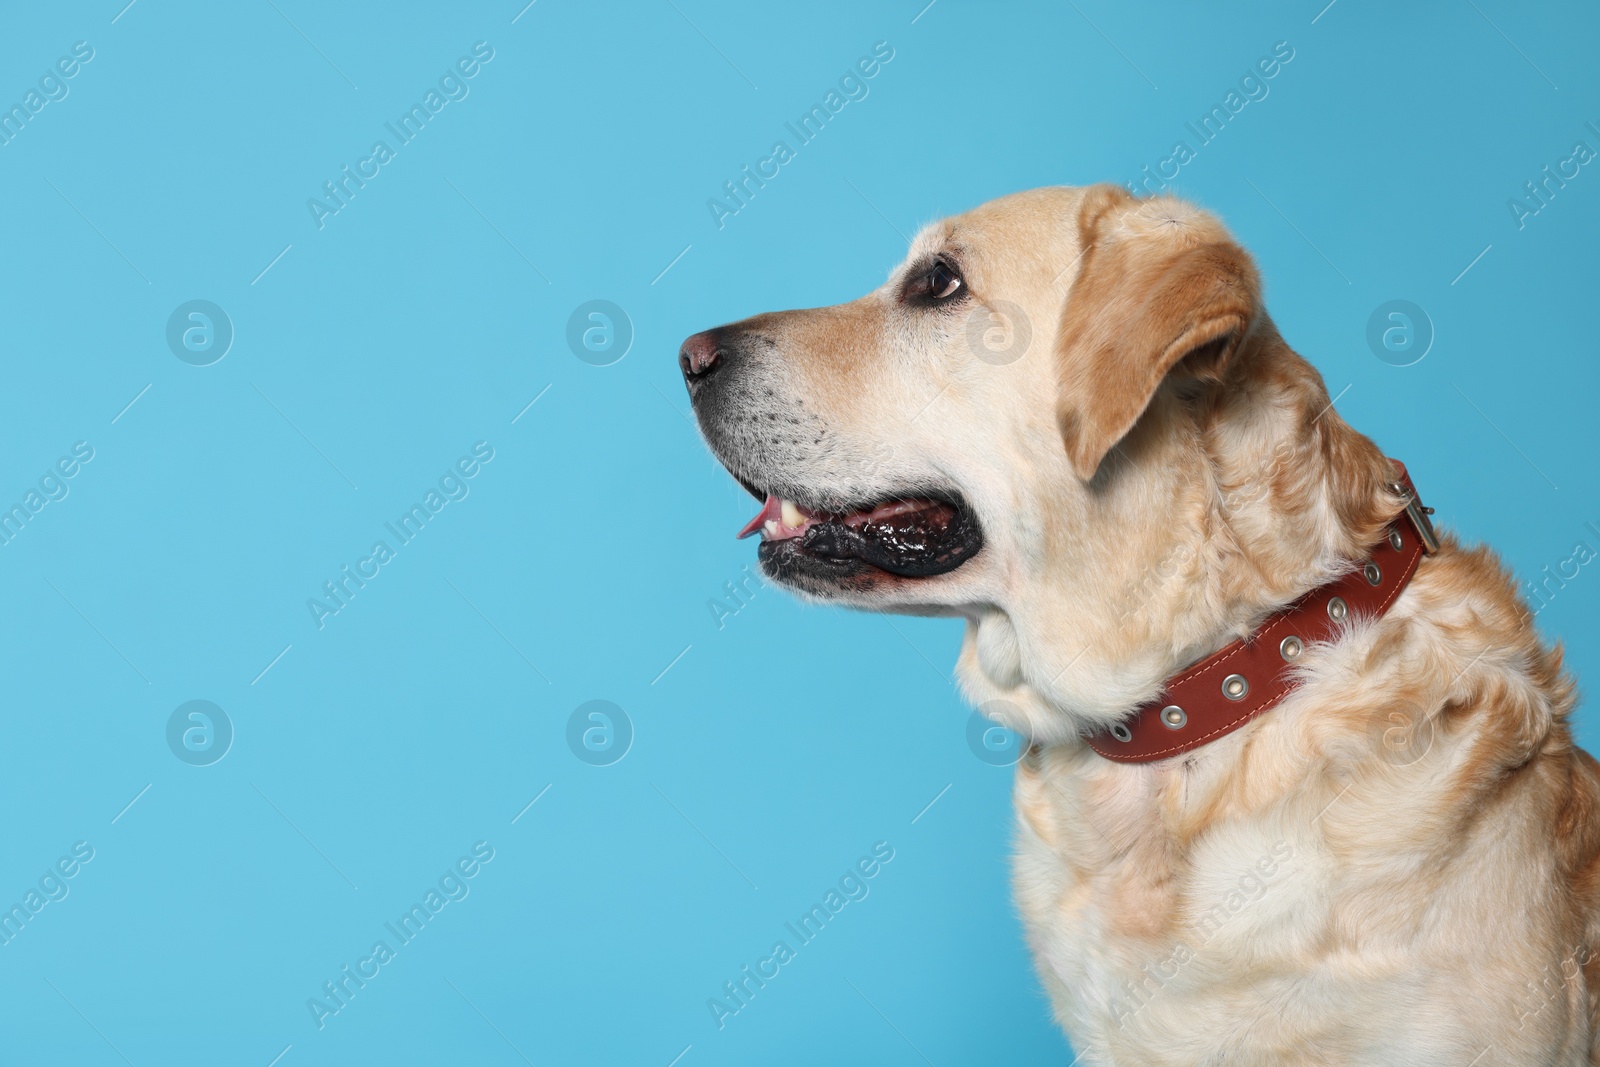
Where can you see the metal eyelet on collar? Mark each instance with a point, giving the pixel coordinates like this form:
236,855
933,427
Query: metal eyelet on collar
1372,573
1290,648
1338,610
1121,733
1173,717
1396,542
1234,687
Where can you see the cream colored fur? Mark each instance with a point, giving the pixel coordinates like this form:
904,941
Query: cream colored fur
1394,866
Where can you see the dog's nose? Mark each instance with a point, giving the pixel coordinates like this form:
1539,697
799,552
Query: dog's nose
700,355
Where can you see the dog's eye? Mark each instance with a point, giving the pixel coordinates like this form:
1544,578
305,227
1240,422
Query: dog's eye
943,283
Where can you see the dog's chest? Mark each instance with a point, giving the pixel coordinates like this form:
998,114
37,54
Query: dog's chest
1154,956
1246,946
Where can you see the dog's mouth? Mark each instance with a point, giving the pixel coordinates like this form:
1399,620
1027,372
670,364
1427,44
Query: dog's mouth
907,536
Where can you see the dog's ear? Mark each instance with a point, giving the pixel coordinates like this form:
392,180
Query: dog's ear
1161,289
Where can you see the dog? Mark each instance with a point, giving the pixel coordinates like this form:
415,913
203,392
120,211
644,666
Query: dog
1067,419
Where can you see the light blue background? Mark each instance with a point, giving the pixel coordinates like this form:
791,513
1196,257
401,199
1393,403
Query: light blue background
427,314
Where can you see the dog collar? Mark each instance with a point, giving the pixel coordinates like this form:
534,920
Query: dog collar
1233,685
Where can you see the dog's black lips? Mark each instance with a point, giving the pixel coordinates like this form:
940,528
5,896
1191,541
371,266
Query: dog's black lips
934,538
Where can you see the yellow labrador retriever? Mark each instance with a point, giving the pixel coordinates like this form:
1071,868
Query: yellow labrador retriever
1301,786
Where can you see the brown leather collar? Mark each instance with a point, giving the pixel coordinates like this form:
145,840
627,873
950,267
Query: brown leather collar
1236,683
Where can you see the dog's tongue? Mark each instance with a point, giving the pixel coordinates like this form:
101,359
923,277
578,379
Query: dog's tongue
772,509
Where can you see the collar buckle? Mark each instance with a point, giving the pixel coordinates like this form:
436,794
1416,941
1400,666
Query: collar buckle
1416,512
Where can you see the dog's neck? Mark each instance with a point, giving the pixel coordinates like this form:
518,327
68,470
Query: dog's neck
1271,494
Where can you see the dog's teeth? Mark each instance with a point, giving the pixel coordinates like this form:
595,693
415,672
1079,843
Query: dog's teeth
770,527
792,517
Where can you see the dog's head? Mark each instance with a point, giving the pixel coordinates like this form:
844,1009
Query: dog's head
1045,421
